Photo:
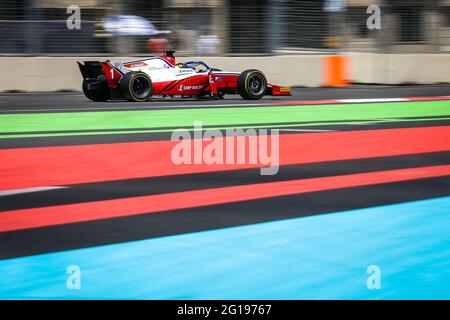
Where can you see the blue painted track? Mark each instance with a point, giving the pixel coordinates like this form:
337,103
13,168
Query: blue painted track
319,257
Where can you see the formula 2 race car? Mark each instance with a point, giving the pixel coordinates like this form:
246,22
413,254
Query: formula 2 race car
138,80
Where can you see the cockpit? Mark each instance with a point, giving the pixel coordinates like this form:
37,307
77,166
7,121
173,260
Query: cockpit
197,66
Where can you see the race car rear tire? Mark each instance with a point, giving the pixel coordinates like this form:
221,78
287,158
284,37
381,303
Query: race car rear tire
100,94
136,86
252,84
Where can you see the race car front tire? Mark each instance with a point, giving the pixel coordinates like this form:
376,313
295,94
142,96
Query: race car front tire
252,84
99,94
136,86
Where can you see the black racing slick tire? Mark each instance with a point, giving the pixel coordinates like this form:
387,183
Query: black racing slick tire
136,86
99,94
252,84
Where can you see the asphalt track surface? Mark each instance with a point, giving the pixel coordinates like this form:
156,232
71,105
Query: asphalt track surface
75,101
360,182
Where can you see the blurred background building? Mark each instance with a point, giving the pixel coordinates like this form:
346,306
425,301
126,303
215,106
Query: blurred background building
223,27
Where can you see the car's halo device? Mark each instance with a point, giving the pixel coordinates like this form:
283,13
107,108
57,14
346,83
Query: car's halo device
138,80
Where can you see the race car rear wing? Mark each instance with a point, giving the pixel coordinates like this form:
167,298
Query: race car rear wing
91,70
96,72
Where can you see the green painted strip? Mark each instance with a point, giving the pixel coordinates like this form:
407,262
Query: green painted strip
224,117
40,135
272,125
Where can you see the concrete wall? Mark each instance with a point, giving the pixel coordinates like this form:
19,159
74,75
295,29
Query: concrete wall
61,73
400,68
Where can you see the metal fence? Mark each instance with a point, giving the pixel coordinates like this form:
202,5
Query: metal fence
228,27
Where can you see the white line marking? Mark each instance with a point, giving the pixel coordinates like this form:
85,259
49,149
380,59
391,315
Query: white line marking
200,105
28,190
305,130
373,100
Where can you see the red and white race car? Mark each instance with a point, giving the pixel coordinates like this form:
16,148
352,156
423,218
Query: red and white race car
138,80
